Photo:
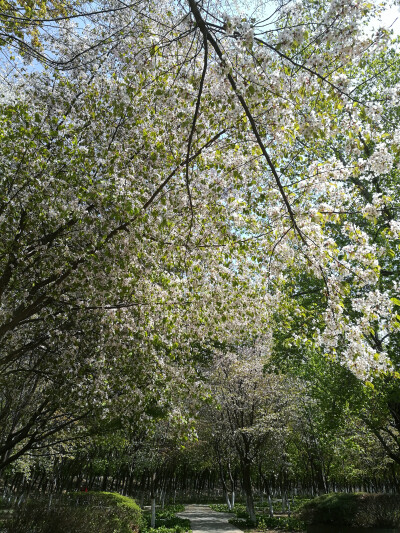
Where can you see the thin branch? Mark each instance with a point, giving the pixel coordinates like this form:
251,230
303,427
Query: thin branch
195,116
207,35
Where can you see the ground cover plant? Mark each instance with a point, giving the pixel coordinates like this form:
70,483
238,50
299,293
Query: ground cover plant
167,521
263,522
223,508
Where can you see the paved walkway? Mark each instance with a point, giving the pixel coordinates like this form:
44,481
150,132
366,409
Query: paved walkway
205,520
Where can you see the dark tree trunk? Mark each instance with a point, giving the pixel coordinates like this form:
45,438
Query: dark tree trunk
248,489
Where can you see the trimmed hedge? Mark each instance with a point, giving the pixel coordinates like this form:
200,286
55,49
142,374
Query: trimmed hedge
81,512
353,509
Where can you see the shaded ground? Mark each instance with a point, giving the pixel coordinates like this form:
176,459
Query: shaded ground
205,520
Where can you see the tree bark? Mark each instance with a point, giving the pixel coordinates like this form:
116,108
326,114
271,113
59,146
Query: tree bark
247,487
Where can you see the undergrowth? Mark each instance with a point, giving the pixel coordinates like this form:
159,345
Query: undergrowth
242,520
167,521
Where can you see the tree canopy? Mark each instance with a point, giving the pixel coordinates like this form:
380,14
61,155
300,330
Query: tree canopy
186,184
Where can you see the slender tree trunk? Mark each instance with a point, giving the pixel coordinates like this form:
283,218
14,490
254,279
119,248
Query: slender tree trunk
104,482
153,499
271,509
153,512
247,487
232,481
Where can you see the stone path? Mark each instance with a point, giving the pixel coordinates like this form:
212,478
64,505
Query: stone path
205,520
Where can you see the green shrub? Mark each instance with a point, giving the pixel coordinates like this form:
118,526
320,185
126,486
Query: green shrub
353,509
83,512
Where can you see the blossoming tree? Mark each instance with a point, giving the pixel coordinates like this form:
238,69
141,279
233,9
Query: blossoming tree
167,171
